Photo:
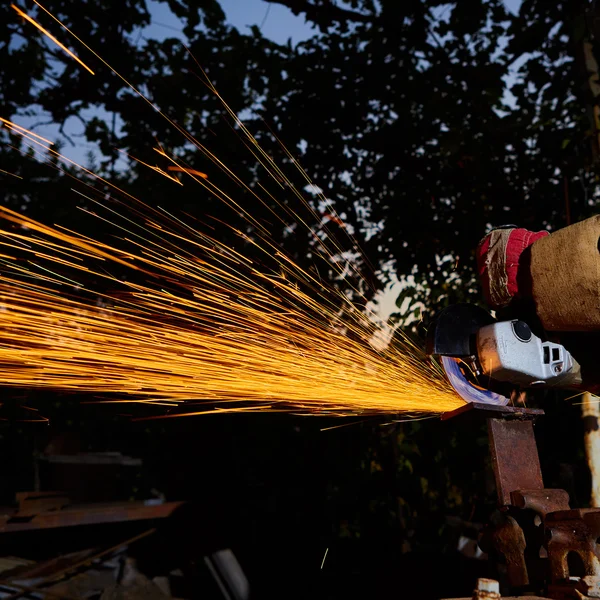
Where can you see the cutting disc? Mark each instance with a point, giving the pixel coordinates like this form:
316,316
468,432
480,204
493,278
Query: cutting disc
455,371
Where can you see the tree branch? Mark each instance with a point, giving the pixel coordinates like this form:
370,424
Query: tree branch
324,14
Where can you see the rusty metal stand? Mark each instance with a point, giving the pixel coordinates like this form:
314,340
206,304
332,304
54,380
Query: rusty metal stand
547,547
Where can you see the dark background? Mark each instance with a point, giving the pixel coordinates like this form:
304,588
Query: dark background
389,502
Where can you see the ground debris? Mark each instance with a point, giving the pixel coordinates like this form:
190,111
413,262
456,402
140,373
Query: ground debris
133,585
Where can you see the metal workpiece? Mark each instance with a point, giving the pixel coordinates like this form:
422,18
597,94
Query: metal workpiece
479,411
514,457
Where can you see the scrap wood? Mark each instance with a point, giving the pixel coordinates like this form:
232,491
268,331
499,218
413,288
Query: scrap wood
69,569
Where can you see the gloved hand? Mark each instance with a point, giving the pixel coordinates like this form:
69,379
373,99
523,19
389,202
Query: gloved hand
499,256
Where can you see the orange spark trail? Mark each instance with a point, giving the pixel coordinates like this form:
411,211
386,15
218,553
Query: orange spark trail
154,168
241,336
23,131
189,171
9,173
51,37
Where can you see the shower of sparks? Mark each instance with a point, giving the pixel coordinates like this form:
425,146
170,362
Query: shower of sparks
230,333
197,321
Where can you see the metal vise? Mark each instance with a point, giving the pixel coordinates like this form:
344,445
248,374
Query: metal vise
544,546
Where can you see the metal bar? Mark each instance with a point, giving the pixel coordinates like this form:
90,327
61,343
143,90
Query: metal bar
514,457
91,516
107,552
86,561
480,410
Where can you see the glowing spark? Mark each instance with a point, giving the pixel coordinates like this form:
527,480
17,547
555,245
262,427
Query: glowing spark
8,173
324,557
343,425
189,171
576,396
154,168
50,36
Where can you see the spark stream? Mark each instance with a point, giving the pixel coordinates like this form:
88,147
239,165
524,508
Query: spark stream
199,321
